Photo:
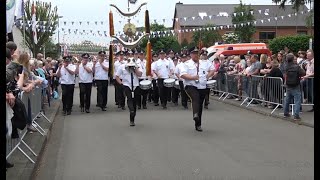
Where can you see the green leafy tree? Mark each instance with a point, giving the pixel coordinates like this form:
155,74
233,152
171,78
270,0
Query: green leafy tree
51,49
208,37
44,13
294,43
161,41
296,3
244,31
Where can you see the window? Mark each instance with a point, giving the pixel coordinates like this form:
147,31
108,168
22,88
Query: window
267,35
302,33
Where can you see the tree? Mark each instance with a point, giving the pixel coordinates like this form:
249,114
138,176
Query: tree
51,49
230,38
161,41
296,3
47,17
243,30
206,36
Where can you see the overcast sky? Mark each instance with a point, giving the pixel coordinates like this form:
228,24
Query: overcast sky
98,10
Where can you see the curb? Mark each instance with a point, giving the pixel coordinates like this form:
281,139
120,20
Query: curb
262,112
37,165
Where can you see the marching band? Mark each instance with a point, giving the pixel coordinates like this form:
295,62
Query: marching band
186,75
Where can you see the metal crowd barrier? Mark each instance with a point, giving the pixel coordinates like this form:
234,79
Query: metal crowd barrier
255,88
30,100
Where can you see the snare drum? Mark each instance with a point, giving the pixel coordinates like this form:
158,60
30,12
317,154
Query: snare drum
169,82
176,84
211,84
145,84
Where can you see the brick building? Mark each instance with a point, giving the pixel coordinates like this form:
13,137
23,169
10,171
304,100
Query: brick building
192,16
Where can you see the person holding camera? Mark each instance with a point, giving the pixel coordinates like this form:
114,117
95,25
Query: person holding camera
130,74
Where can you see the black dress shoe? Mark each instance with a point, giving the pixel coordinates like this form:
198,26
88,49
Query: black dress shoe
185,107
103,109
156,104
164,107
139,107
119,106
97,105
123,108
198,128
87,111
132,123
206,106
68,112
144,107
9,165
176,104
64,113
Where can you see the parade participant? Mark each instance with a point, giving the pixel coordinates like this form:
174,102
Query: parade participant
114,82
195,74
84,71
100,69
175,91
155,88
130,74
144,93
163,69
119,89
204,59
184,97
136,56
170,57
66,74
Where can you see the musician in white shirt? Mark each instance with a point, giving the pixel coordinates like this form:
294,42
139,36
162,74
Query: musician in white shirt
85,73
100,70
119,89
130,74
204,59
66,73
143,93
184,97
163,69
155,88
195,74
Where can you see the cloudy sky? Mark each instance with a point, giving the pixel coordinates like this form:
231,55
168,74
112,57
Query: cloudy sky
98,10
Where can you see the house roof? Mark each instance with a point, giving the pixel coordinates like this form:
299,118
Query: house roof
186,12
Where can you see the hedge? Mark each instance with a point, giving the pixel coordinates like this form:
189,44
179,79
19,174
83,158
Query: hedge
294,43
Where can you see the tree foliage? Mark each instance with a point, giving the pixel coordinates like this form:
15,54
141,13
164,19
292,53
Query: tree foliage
296,3
294,43
244,31
208,37
44,13
161,41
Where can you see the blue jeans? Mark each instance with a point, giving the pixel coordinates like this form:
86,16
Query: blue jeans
295,94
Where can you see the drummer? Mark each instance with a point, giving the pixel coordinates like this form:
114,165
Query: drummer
184,97
170,57
155,88
204,59
175,91
127,76
195,74
163,69
144,93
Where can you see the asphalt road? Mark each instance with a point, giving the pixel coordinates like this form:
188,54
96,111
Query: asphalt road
235,144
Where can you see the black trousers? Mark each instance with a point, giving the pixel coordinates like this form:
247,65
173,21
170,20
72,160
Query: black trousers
155,91
170,94
144,95
197,98
120,94
102,92
115,91
163,91
184,96
175,95
67,96
131,101
85,94
206,98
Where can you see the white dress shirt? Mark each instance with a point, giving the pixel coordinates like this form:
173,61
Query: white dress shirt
84,75
163,67
143,65
117,64
66,77
177,70
154,76
100,73
126,77
190,67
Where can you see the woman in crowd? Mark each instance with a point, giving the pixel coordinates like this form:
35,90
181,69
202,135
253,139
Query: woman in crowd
245,79
276,91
